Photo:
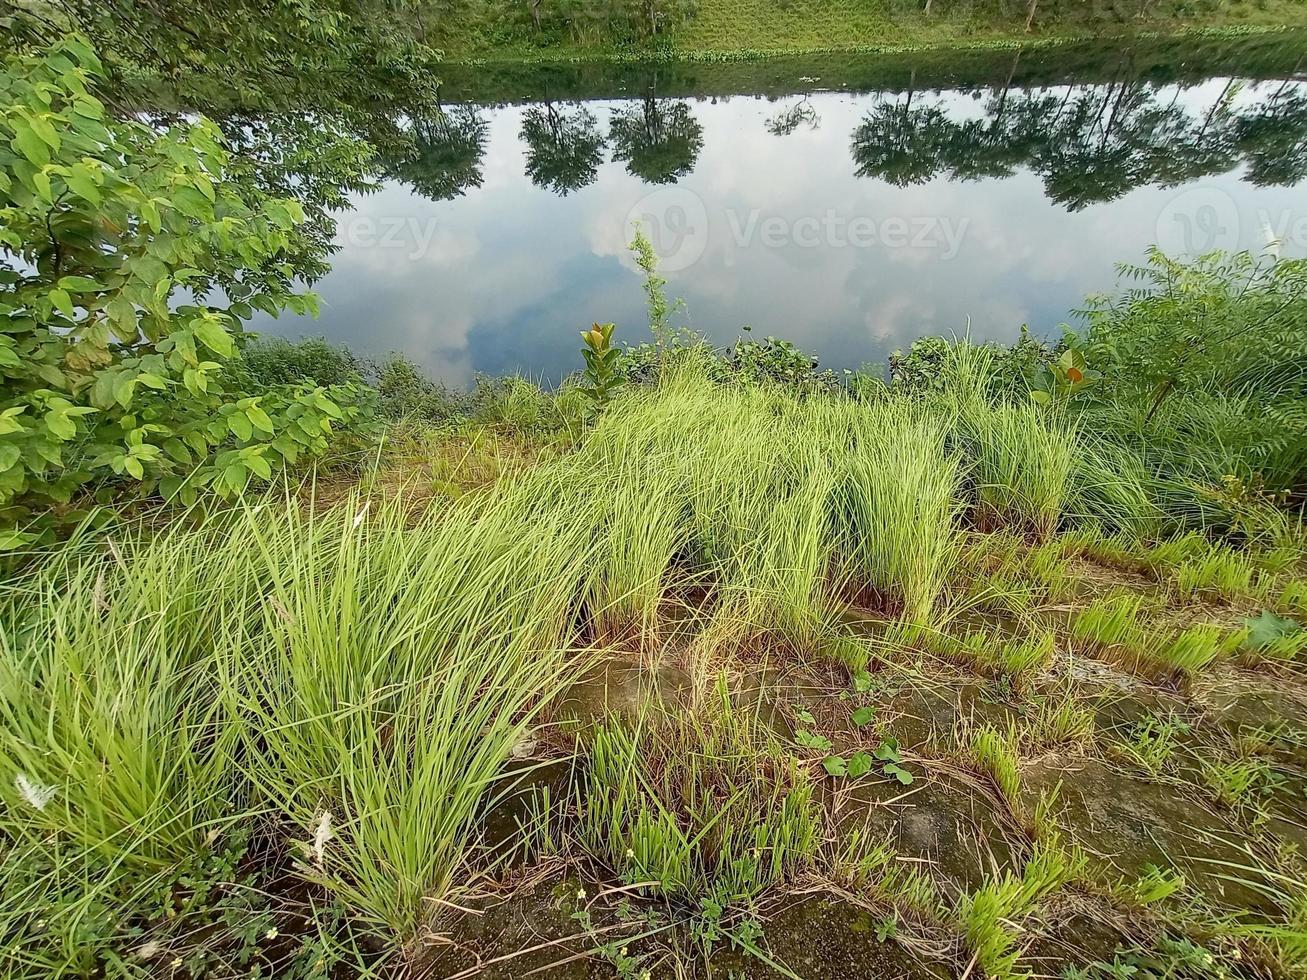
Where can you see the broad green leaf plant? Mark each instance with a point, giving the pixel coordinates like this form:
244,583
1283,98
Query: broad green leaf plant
129,257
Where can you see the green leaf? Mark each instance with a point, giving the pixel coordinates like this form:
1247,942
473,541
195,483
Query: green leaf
83,186
30,145
213,336
235,475
804,716
860,764
260,466
240,426
888,751
60,425
835,765
80,284
43,128
133,466
11,539
9,455
259,419
899,773
864,716
62,301
810,740
1265,629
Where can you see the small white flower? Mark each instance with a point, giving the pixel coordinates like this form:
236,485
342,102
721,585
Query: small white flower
630,854
33,792
270,934
580,893
321,834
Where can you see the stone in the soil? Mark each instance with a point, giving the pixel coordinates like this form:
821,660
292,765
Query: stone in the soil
529,930
1273,707
1071,940
949,827
1125,823
918,715
819,939
620,688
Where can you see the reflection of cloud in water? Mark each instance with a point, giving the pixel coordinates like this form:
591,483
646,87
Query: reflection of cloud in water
511,272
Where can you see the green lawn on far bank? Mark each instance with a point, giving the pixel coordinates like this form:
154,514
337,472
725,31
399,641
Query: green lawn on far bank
713,29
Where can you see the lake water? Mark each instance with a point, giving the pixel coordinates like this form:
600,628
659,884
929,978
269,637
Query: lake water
847,216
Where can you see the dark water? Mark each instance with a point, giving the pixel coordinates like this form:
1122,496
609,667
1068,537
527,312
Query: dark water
849,208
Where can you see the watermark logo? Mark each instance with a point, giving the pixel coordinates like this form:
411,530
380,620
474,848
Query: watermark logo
676,223
1203,219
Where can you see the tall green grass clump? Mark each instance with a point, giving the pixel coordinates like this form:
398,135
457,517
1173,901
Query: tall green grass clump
695,806
989,916
356,677
995,753
897,508
1019,456
119,738
1113,626
727,487
1110,487
396,669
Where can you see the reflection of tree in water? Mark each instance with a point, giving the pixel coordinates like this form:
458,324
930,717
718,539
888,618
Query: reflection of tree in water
901,144
445,159
563,148
1274,142
789,118
659,139
1088,144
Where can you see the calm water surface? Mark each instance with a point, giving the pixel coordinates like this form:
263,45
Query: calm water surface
849,222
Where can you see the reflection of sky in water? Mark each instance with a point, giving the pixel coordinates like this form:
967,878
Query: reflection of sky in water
501,280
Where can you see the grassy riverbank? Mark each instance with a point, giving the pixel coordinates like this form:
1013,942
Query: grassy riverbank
757,669
786,683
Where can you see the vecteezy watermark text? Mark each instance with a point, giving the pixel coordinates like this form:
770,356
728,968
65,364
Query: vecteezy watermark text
410,234
835,230
680,227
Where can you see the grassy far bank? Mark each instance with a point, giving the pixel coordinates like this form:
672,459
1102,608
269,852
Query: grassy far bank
1158,59
710,30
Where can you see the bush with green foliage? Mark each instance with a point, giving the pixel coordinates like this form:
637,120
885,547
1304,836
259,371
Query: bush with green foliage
129,257
266,362
1202,365
922,368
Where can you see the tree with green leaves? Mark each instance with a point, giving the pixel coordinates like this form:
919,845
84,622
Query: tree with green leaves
129,257
254,50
